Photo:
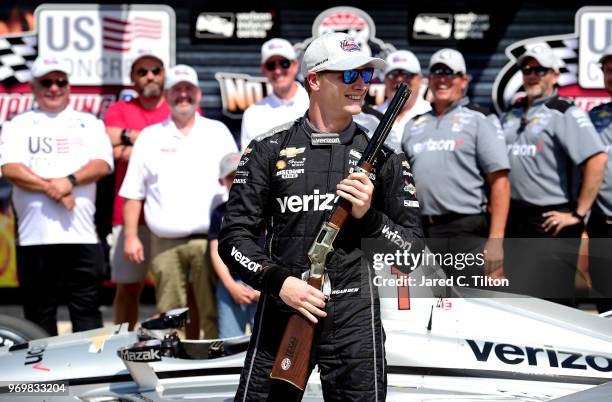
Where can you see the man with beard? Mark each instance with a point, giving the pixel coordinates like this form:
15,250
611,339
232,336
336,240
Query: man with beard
288,99
173,170
548,137
124,120
287,181
458,154
600,221
54,155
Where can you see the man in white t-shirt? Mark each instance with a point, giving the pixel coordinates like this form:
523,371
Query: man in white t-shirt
53,155
173,172
288,100
403,66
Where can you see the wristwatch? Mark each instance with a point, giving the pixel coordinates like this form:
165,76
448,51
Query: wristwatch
125,137
72,179
575,214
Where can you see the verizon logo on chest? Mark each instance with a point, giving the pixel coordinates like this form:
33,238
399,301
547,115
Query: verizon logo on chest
307,202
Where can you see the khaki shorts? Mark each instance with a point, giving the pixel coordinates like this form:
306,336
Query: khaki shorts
122,269
177,264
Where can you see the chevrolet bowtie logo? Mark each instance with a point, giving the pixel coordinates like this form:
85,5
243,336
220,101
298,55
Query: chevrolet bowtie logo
292,152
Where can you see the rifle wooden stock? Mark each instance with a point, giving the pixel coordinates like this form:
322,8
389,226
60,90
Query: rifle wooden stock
293,357
292,365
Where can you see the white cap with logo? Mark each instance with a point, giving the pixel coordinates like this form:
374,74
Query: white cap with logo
277,47
143,53
181,73
337,52
45,65
403,60
542,53
607,53
450,58
229,164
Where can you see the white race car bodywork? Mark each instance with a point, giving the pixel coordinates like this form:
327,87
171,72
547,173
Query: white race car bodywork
475,348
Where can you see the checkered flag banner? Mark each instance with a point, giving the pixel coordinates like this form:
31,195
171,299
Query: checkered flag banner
16,56
510,81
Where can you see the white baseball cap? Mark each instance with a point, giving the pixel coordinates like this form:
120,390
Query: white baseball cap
142,53
450,58
277,47
607,53
337,51
45,65
403,60
229,164
543,54
181,73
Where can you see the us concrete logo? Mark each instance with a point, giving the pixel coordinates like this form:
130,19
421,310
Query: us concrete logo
98,44
580,75
239,91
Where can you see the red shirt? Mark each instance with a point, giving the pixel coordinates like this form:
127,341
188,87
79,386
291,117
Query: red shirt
132,116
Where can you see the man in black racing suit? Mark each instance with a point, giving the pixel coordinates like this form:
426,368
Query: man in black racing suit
287,183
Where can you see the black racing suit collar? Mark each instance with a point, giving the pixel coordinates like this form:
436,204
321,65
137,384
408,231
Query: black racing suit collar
344,137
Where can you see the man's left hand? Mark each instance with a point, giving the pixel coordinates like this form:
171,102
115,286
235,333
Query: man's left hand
357,189
555,221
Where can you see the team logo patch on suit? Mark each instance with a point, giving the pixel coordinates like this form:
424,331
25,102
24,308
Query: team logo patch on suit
296,162
281,164
354,157
289,173
409,187
324,139
355,154
292,152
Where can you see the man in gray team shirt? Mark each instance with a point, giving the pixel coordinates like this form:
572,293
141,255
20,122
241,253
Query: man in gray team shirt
547,137
456,150
600,221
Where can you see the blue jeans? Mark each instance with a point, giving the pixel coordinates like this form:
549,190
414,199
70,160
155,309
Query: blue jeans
232,317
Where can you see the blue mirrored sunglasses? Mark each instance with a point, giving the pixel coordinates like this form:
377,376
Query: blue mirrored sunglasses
350,76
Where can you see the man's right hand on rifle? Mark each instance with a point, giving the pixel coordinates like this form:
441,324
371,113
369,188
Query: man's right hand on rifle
304,298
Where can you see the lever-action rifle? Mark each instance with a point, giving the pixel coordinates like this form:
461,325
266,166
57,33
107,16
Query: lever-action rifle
293,356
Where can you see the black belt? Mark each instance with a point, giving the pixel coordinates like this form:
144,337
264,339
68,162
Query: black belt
518,208
445,218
